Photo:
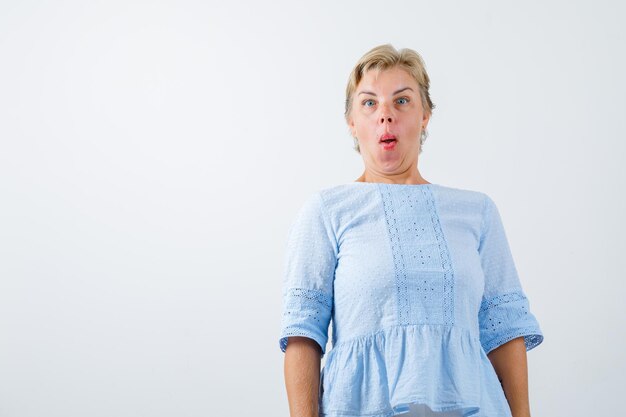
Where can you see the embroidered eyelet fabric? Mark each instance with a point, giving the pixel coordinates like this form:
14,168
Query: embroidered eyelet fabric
419,285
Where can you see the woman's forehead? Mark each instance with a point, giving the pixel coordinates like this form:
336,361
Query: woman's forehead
391,79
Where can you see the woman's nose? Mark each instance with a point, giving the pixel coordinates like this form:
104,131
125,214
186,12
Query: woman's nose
385,115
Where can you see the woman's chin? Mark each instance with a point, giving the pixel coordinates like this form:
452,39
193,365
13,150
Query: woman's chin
389,166
387,161
390,159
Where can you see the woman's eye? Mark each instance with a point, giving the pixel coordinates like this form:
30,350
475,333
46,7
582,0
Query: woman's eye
368,103
402,100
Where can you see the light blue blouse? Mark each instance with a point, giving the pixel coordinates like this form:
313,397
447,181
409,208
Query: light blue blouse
420,284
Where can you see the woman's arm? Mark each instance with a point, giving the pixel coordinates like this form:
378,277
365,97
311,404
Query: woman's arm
302,376
509,362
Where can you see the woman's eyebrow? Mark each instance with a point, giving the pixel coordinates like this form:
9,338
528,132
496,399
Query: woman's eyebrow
402,89
394,93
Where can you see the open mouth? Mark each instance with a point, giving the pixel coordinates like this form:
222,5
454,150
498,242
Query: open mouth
387,138
388,141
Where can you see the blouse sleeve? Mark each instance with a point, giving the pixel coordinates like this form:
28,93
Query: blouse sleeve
309,271
504,312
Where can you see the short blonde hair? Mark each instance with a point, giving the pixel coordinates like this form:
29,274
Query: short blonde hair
386,57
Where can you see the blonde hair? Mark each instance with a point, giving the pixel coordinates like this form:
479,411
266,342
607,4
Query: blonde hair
385,57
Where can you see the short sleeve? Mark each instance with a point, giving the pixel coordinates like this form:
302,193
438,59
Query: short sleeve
309,271
505,310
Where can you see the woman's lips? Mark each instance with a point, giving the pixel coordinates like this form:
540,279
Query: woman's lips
388,141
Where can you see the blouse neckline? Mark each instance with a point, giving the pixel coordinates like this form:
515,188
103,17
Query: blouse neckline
392,184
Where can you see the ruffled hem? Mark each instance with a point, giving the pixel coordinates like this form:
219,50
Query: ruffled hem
383,374
403,408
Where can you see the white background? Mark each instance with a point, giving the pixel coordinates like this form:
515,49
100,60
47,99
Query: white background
153,154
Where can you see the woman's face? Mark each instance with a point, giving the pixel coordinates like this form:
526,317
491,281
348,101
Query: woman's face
387,105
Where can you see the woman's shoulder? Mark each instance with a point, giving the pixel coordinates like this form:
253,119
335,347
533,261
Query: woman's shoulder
461,194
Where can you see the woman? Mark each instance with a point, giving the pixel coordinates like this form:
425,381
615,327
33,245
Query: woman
429,316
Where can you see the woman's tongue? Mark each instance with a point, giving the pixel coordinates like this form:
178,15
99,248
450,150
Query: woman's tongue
388,144
387,138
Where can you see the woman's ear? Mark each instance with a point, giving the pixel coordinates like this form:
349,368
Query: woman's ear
352,126
425,120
